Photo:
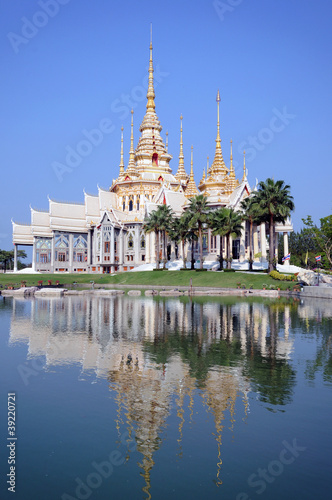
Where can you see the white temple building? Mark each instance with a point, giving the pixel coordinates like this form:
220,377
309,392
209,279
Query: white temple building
105,233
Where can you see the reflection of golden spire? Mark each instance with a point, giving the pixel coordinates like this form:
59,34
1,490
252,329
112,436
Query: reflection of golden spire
218,166
150,106
121,159
180,412
181,173
191,189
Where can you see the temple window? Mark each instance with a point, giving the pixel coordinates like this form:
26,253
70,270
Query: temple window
130,241
155,159
107,247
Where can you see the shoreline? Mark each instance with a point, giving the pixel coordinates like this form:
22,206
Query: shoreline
136,290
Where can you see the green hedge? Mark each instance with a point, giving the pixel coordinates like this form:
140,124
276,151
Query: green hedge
282,277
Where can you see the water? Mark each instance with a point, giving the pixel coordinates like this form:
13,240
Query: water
139,398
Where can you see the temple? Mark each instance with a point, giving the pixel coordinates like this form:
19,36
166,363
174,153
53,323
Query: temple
105,233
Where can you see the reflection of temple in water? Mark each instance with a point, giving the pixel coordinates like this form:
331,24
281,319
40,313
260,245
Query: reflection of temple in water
158,354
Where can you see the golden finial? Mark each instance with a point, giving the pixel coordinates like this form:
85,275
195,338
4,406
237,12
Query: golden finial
191,189
121,159
181,157
131,164
244,167
150,106
218,165
232,173
167,141
181,173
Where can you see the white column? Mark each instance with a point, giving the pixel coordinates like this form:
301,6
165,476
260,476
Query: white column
121,250
255,244
112,244
34,255
276,240
147,248
137,245
112,256
52,254
153,247
71,246
242,255
15,258
286,250
263,242
89,248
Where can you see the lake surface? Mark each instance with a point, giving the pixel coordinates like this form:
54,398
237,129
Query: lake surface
139,398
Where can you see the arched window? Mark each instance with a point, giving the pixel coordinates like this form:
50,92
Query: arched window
137,202
130,205
155,159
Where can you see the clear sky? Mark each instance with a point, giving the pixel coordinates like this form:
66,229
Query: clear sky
71,66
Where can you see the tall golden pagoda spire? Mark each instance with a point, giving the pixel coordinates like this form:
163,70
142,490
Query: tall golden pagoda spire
191,189
218,166
150,106
121,159
181,173
131,164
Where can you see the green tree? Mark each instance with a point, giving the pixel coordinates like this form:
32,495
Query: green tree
158,221
7,257
165,214
232,227
198,211
180,232
322,235
275,205
252,215
216,222
151,224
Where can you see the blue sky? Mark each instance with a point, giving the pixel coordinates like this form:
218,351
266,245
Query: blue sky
71,66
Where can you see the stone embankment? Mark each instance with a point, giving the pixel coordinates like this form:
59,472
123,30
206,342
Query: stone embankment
162,291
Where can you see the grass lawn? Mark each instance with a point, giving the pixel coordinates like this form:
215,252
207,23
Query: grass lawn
153,278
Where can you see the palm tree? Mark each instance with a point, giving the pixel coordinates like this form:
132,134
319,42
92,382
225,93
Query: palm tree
232,227
275,203
165,214
217,223
251,214
152,223
198,210
180,232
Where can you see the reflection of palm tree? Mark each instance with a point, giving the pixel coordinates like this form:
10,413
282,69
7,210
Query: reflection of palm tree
322,361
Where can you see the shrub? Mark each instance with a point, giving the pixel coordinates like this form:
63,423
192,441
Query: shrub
229,270
281,277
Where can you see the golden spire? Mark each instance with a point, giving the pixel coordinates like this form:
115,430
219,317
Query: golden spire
231,172
244,178
218,166
191,189
231,185
131,164
121,160
181,173
150,106
167,142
